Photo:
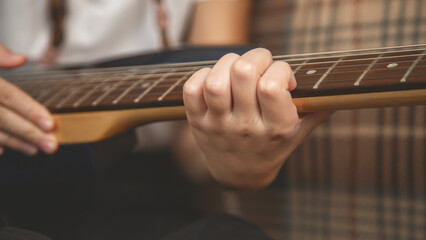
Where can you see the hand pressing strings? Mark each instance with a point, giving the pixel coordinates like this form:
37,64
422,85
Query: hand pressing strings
243,118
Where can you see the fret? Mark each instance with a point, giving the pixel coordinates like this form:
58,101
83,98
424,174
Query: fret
161,98
382,76
66,88
410,70
86,96
317,84
80,88
34,90
46,94
122,95
136,100
358,81
68,97
299,67
58,94
100,98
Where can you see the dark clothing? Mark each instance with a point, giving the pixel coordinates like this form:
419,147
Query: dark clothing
141,197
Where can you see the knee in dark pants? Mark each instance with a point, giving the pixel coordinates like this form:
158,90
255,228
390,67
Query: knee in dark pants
219,226
8,233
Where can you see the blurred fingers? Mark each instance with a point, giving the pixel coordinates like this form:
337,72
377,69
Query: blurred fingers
15,125
9,59
17,144
18,101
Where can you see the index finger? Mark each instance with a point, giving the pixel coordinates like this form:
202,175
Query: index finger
20,102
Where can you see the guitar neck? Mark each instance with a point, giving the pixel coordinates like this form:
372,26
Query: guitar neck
337,74
382,77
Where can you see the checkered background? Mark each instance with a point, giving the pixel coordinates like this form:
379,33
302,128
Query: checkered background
362,174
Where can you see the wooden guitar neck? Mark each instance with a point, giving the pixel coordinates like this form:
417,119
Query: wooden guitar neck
91,105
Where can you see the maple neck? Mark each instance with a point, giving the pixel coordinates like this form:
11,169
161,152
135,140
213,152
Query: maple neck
324,74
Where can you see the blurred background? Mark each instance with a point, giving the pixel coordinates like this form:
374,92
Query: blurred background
361,175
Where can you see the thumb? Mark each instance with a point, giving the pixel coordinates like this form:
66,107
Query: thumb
9,59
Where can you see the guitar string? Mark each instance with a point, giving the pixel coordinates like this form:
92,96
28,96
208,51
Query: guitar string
174,78
301,81
178,88
317,63
340,66
165,66
330,54
52,77
177,91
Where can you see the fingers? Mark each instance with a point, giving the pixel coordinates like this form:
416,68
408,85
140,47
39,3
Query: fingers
16,144
17,126
21,117
245,73
248,88
9,59
193,95
217,88
14,98
275,100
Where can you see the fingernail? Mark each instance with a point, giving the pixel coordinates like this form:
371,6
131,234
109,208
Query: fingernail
49,145
29,149
45,124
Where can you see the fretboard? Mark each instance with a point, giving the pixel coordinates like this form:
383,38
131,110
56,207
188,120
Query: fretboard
324,74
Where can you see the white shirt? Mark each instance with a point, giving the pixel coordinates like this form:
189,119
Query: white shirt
94,30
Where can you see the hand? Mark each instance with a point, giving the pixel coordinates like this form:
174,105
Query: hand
243,118
25,125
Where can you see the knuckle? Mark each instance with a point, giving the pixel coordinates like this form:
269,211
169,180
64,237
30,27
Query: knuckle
278,132
214,86
246,128
195,124
269,87
189,89
244,66
244,132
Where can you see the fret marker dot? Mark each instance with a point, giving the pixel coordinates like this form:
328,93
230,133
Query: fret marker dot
392,65
311,72
145,85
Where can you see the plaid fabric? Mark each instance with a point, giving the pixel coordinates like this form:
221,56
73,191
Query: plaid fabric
299,26
362,174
